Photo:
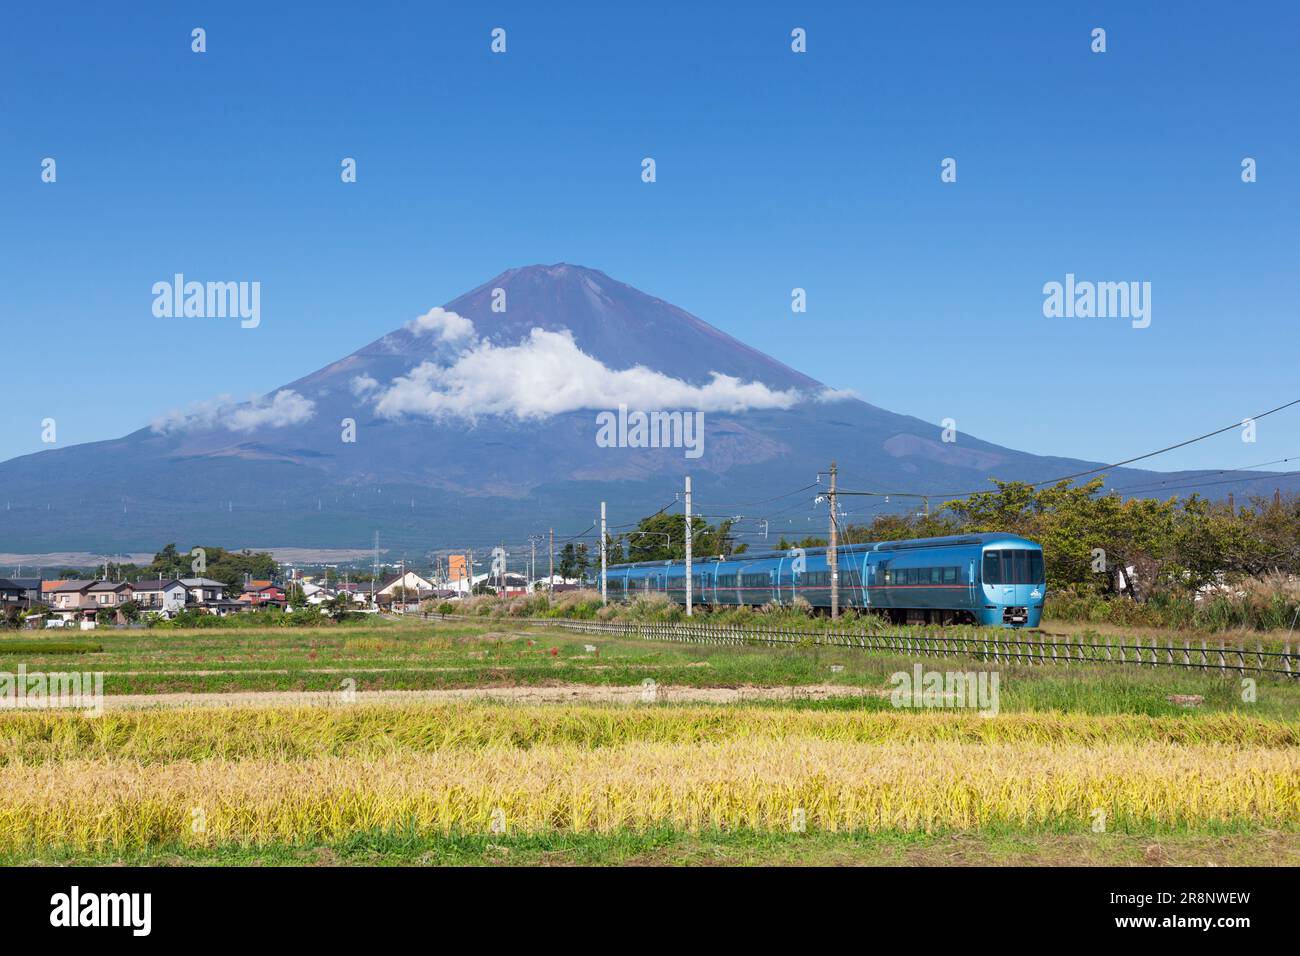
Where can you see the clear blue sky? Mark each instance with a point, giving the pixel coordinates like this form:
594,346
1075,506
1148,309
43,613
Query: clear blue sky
775,170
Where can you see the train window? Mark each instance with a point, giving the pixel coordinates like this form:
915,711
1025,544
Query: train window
1013,566
755,581
950,575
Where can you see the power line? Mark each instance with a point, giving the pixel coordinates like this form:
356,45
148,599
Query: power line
1277,475
751,504
1211,474
1090,471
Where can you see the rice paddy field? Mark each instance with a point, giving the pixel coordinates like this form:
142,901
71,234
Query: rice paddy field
428,742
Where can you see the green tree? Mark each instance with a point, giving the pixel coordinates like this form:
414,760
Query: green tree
295,597
662,537
568,564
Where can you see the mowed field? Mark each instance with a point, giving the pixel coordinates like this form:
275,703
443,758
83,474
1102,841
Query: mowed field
435,742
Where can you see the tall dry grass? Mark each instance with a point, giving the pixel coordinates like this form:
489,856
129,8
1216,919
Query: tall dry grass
368,731
741,784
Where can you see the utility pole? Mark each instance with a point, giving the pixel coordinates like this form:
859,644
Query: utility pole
374,574
832,555
550,584
532,573
604,598
688,546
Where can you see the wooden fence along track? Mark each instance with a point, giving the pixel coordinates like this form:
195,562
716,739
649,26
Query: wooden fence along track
1001,647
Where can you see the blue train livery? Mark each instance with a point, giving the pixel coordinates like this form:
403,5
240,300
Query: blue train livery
993,580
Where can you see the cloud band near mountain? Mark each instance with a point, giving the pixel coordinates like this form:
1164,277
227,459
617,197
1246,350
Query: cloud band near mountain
286,407
547,374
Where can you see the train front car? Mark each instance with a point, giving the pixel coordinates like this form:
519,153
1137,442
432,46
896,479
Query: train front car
1012,581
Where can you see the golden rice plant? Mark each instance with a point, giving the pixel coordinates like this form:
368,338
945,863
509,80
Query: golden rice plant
751,784
368,731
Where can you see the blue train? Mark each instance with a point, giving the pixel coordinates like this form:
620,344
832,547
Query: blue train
987,579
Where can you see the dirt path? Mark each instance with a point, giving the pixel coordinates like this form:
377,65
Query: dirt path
414,669
559,694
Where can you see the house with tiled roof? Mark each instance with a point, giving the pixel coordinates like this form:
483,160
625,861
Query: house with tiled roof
106,597
160,596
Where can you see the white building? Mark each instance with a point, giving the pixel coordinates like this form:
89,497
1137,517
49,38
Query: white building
160,596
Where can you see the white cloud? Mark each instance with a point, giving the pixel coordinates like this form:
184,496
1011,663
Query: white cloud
285,407
363,384
548,374
443,325
829,394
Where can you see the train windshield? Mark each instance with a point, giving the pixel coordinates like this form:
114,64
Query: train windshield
1013,566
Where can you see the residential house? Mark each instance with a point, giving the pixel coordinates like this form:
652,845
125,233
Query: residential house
209,596
19,595
105,599
13,599
31,590
262,594
160,596
49,587
202,590
408,588
67,599
513,585
359,593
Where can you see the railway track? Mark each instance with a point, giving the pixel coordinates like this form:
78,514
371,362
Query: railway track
997,646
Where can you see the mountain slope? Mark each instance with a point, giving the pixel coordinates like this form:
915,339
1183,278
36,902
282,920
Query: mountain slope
473,423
